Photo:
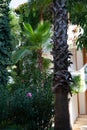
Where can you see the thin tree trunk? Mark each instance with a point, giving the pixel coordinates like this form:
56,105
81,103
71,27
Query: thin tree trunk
61,56
40,60
41,15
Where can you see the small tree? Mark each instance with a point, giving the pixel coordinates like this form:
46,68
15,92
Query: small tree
38,38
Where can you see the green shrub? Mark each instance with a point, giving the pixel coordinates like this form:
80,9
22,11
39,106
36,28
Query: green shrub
76,85
3,104
30,105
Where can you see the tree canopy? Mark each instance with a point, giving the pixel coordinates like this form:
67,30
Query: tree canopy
78,15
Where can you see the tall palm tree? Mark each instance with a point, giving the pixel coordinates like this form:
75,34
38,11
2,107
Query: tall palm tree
61,55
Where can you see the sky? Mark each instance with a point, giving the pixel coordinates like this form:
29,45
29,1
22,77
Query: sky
16,3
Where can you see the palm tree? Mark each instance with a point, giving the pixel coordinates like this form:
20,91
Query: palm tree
38,38
61,55
40,29
33,50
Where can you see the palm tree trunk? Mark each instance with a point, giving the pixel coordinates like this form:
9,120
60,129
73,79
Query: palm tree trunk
62,121
41,15
40,60
61,56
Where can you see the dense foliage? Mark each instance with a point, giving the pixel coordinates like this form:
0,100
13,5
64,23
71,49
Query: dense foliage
76,85
78,15
5,42
26,103
30,105
34,11
5,56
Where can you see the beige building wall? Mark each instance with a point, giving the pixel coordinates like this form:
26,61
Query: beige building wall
73,108
77,59
82,103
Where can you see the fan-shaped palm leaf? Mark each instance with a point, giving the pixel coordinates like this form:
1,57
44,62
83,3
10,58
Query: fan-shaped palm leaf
40,35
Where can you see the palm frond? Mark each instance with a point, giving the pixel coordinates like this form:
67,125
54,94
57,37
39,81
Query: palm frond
19,54
40,35
43,27
28,28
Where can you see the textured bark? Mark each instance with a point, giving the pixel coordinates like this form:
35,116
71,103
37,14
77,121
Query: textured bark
40,60
62,118
61,56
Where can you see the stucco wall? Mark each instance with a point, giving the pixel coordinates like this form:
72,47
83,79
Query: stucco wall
82,104
73,108
79,59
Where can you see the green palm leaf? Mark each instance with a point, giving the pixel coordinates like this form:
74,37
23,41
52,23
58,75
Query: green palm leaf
28,28
38,36
43,27
20,54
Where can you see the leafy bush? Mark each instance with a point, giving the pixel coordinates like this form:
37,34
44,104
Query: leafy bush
3,104
30,105
76,84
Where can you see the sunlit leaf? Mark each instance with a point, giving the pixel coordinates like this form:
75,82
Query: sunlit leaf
19,54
